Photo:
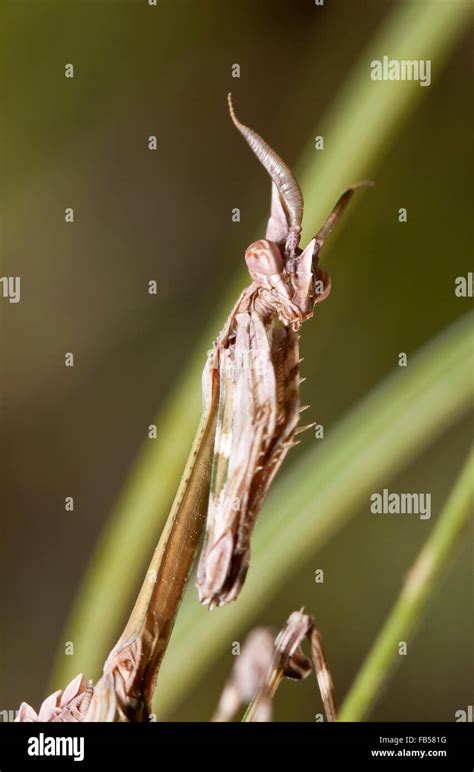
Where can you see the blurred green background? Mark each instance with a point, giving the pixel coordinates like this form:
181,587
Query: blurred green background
166,215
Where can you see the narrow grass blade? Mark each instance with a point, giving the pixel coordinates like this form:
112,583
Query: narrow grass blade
416,591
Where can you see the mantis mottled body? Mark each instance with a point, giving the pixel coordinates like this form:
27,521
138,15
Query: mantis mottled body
258,357
250,416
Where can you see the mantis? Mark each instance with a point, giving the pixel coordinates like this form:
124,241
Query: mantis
264,662
250,416
257,356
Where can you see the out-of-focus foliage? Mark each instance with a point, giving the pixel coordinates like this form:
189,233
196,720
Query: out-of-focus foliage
166,216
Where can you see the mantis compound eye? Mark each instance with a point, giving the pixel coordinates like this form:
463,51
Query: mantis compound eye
264,257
